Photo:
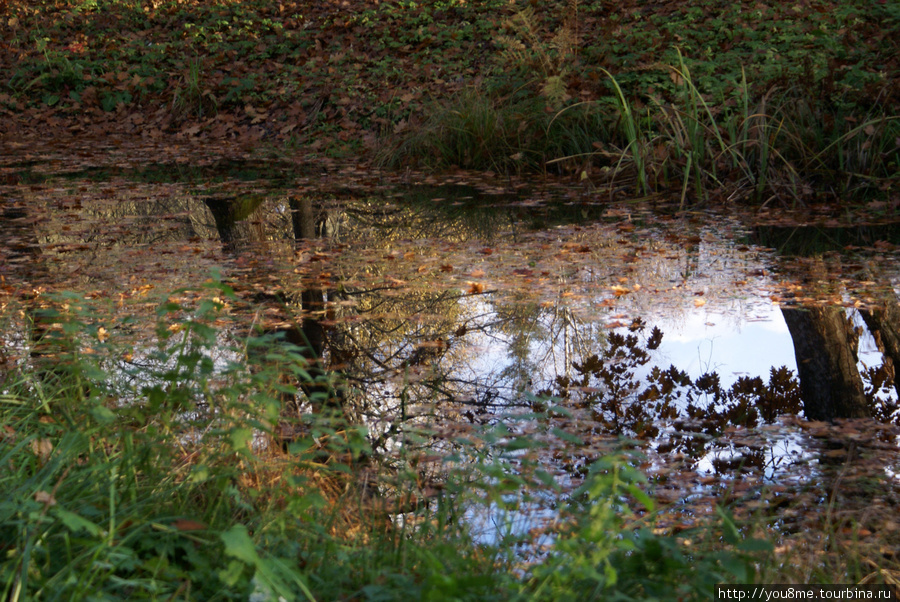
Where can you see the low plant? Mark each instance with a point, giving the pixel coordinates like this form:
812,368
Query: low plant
191,99
159,469
777,147
476,131
608,551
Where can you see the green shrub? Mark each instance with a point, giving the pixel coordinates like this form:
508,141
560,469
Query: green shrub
152,469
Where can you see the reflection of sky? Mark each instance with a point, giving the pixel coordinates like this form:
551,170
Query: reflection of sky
703,341
697,342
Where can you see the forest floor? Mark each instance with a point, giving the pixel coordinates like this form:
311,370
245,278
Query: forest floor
142,84
339,78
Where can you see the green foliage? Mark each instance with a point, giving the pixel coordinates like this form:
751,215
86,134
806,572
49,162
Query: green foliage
153,472
609,553
767,123
704,100
787,148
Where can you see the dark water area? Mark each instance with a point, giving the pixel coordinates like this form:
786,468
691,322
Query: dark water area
724,348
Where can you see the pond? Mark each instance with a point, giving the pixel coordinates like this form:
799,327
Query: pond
742,352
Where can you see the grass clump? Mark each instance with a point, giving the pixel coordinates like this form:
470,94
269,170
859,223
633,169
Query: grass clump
699,127
156,474
780,147
500,130
159,471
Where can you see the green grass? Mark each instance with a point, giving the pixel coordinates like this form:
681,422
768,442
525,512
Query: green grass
731,101
152,471
780,147
710,125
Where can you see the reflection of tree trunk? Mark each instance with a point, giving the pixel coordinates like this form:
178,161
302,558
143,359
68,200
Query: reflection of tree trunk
231,216
19,246
223,212
311,336
884,324
824,346
21,251
303,217
311,339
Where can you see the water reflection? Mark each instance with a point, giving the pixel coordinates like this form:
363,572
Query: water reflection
439,306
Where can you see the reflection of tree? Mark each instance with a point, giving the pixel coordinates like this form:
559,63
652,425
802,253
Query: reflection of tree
307,332
668,407
825,341
397,351
117,237
542,342
229,214
825,348
21,252
884,323
19,246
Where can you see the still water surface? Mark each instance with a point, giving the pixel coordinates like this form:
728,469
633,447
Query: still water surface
463,301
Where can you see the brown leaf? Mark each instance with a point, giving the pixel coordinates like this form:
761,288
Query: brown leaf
44,497
42,448
186,524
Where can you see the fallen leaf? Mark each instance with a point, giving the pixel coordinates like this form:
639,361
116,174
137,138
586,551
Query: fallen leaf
42,448
45,498
186,524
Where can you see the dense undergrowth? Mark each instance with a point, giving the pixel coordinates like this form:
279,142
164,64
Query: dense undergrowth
716,135
765,102
158,473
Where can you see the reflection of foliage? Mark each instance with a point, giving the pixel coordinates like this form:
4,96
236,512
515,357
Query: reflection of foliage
621,403
609,384
880,380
